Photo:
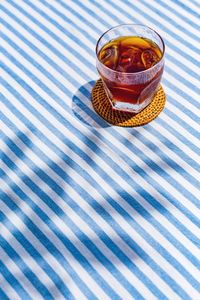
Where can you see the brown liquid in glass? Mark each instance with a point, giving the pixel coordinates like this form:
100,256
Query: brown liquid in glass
131,54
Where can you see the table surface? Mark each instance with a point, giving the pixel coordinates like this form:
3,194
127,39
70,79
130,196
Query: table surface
89,210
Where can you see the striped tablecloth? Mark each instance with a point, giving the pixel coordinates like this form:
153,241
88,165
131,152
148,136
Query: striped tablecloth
88,210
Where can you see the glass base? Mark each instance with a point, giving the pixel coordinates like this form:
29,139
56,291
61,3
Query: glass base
127,106
130,107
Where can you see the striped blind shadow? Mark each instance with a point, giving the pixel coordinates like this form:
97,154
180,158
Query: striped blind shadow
64,238
31,247
83,109
58,232
42,238
163,164
15,149
53,232
50,244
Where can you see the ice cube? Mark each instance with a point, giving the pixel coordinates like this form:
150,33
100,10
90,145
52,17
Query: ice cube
109,57
149,58
130,60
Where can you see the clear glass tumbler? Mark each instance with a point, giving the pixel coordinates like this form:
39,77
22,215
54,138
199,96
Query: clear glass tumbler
131,91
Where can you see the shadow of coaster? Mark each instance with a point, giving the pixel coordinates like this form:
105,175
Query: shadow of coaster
104,108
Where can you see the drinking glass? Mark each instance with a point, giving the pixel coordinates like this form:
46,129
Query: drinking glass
130,91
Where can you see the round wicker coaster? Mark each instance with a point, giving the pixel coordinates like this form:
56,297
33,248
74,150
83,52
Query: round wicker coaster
103,107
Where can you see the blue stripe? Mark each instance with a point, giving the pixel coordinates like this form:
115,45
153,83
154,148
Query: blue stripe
45,218
33,77
99,211
3,296
185,68
91,13
183,123
182,93
51,248
159,294
48,180
187,8
68,20
152,165
189,21
76,208
32,251
10,277
48,45
196,3
176,289
165,17
179,136
23,266
64,30
152,146
187,83
68,244
79,16
39,52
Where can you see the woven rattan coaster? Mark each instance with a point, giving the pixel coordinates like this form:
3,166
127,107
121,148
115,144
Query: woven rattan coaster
103,107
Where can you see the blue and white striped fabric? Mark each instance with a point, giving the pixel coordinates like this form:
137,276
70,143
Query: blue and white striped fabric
88,210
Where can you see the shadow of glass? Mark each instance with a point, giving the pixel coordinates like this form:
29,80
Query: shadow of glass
83,109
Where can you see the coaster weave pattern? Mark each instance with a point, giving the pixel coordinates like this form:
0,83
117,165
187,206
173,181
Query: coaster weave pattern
103,108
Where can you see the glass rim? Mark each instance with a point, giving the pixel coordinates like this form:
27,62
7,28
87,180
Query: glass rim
129,73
